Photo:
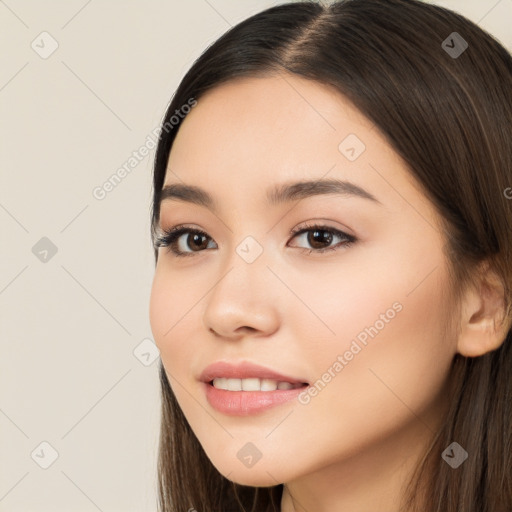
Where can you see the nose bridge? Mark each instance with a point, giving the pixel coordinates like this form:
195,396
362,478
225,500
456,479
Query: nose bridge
244,267
241,296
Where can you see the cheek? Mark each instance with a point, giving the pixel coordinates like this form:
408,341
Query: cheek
386,318
168,306
395,355
369,290
173,296
174,314
160,304
341,298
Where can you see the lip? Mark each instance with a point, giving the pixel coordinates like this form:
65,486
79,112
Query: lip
245,403
244,370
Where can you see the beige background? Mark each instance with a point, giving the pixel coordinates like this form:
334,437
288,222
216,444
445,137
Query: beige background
73,371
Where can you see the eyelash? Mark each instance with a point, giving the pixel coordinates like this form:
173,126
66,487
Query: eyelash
168,238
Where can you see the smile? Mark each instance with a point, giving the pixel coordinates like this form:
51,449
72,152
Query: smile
252,384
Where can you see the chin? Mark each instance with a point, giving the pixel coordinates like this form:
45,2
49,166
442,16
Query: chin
252,477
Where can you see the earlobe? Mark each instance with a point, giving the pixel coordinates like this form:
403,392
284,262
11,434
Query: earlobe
483,325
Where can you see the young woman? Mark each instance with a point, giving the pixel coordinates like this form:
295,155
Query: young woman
332,224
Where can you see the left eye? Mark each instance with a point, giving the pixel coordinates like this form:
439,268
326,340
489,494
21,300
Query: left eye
179,239
319,236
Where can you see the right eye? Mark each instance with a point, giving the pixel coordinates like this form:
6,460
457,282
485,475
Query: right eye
174,239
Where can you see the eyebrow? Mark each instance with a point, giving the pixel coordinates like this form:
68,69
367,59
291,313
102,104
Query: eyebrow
276,195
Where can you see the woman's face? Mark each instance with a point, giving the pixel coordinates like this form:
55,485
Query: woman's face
361,323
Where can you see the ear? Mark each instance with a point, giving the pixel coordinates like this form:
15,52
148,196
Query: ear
483,328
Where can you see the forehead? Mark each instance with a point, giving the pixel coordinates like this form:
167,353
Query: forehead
280,112
249,133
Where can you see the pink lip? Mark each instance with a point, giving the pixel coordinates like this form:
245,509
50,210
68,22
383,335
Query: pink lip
244,403
244,370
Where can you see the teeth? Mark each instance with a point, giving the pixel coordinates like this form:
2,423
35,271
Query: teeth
268,385
234,384
252,384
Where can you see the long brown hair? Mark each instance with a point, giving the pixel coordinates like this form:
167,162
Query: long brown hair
449,116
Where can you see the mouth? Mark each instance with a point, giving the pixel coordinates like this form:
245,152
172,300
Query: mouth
254,384
247,376
244,388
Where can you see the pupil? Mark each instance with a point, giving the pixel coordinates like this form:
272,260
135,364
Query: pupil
196,237
320,236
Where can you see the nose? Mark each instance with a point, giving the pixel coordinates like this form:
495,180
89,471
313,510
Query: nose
243,301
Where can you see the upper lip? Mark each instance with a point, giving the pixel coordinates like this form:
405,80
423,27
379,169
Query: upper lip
244,370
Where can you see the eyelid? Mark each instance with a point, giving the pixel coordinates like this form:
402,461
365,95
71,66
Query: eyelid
321,224
169,236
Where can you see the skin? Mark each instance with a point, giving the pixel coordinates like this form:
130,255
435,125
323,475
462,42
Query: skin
354,444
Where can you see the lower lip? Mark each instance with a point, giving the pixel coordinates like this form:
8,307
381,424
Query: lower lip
244,403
